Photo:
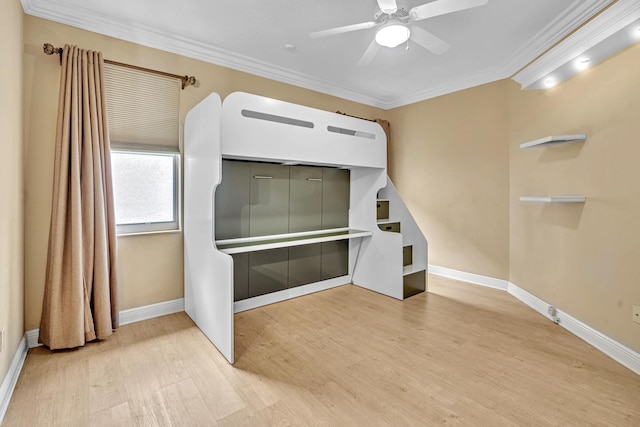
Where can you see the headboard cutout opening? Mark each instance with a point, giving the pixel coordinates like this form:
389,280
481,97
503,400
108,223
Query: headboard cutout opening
278,119
351,132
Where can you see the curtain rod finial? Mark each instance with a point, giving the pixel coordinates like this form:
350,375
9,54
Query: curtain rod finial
189,81
50,50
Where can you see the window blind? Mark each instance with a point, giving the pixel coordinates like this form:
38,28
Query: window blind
143,109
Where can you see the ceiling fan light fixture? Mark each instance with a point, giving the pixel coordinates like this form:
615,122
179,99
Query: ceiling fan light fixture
392,35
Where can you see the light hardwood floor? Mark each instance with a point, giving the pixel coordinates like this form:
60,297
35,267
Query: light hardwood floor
460,355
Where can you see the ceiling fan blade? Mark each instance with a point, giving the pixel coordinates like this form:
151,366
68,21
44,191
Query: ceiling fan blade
340,30
442,7
368,54
428,40
388,6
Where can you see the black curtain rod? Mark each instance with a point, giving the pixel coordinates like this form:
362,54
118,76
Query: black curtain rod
355,117
49,49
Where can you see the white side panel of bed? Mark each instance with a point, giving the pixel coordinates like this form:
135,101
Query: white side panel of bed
378,266
208,288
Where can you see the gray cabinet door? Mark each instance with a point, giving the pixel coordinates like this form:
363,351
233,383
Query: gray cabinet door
336,184
305,198
268,271
335,197
232,200
335,259
304,264
269,211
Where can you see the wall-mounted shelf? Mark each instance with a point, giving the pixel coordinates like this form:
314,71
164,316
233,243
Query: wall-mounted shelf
552,140
554,199
261,243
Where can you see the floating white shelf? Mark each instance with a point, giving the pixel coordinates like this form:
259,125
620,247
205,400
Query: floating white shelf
261,243
554,199
551,140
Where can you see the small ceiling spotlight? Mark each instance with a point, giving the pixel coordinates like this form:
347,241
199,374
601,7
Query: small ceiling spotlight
550,82
583,63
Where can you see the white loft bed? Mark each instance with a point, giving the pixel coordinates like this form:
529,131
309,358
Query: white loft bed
250,127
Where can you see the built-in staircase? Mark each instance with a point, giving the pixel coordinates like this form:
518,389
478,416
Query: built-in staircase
393,216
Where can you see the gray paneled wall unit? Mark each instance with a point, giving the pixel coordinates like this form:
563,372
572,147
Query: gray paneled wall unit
261,199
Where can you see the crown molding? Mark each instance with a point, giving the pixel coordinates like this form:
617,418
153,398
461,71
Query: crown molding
151,37
609,22
83,18
580,11
577,13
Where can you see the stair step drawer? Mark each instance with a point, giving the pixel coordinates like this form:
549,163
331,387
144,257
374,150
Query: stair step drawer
407,255
392,227
382,211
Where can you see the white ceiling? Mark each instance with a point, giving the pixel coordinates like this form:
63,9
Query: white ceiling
488,43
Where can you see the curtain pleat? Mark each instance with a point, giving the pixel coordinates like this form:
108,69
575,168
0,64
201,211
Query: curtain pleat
80,298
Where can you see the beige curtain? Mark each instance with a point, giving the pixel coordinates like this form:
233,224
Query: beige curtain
80,297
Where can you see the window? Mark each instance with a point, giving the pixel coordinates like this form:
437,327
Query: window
146,191
143,112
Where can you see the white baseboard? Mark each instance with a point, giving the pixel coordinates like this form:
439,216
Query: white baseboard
32,336
463,276
128,316
146,312
531,300
10,379
612,348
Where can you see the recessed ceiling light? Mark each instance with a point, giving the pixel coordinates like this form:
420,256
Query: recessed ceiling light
550,82
289,47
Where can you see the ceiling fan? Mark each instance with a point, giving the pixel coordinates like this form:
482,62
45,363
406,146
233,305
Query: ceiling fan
396,29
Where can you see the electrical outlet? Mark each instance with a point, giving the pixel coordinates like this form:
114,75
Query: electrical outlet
553,313
636,313
2,340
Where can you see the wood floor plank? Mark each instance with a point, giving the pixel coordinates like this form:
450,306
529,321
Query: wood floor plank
186,406
456,355
118,415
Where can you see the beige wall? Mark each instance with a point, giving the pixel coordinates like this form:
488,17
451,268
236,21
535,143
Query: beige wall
151,265
11,181
584,259
449,159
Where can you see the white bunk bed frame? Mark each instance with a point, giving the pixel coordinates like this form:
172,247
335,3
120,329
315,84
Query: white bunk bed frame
251,127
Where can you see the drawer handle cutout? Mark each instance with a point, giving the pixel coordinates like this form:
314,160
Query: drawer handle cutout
314,179
262,177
